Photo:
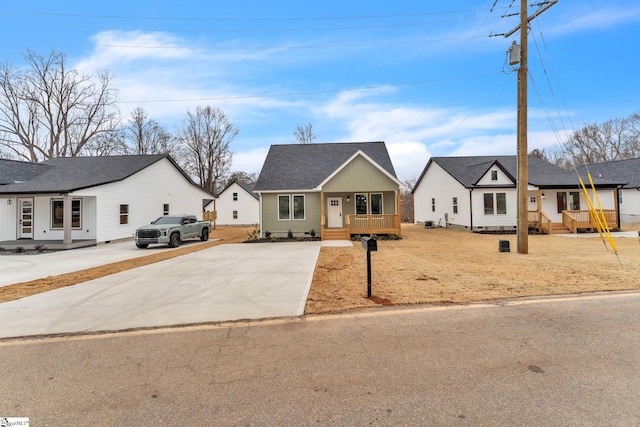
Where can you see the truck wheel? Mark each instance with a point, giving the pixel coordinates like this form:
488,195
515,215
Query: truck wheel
174,240
205,235
142,245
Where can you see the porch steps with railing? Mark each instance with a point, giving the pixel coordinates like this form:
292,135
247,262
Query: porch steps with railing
335,234
559,228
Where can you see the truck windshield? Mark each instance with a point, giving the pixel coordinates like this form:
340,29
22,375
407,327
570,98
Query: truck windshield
168,220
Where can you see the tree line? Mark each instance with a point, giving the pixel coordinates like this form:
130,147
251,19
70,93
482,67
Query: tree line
48,110
614,139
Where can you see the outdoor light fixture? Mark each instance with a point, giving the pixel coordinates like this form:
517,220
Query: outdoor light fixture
8,201
348,199
542,196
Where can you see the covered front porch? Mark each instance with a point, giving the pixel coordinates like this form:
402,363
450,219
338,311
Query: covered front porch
562,210
339,222
572,221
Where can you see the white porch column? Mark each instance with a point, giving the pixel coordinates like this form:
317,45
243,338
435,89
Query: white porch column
66,220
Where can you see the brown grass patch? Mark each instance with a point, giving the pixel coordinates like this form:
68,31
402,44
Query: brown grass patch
448,266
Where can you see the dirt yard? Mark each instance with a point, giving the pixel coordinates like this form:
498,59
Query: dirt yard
447,266
427,266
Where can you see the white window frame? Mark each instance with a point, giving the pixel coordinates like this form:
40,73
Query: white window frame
381,203
304,207
355,203
235,197
288,196
125,214
497,207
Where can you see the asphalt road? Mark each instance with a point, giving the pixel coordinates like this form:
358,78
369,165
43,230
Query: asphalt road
550,362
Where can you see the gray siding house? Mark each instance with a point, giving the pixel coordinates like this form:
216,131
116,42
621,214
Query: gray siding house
335,190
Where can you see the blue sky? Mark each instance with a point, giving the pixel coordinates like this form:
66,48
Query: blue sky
423,76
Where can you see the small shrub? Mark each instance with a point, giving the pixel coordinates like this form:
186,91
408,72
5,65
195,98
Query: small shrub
393,236
312,233
290,234
40,248
300,239
2,250
357,237
374,236
19,250
254,234
267,234
274,239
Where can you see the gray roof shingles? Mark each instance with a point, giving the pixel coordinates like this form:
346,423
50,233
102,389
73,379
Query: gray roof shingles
305,166
13,171
66,174
469,170
627,171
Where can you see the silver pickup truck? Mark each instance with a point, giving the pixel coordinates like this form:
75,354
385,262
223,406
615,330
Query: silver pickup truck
172,230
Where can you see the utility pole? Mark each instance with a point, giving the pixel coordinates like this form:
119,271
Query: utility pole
522,151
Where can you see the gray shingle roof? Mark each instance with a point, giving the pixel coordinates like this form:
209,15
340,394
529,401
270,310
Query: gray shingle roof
626,171
305,166
66,174
12,171
542,174
245,186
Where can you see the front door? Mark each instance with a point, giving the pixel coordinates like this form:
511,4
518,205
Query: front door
334,212
25,218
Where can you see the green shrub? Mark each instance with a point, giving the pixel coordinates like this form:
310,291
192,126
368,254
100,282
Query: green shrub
312,233
290,234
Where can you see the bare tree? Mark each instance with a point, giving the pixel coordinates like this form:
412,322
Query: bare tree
50,111
143,135
407,207
207,135
615,139
249,178
304,134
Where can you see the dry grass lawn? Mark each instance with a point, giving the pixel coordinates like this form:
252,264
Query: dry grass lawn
448,266
426,266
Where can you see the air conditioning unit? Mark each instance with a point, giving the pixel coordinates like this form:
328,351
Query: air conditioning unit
503,246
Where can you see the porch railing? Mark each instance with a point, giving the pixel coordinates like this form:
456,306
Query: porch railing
574,220
373,224
540,220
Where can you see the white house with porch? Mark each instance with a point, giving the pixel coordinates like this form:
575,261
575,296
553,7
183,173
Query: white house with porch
479,194
69,202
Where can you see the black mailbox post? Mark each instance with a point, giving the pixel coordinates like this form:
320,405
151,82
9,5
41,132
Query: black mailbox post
370,245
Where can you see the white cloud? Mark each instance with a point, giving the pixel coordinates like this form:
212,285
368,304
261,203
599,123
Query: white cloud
249,161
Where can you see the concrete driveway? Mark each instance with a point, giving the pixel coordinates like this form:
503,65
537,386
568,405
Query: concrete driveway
223,283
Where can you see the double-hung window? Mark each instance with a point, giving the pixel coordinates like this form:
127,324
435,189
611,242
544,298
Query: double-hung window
361,204
376,204
455,205
124,214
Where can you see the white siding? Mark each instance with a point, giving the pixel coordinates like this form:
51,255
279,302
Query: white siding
503,179
247,206
439,185
42,219
8,218
145,192
630,207
495,220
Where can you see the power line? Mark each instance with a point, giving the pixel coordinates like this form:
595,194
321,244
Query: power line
327,46
200,19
